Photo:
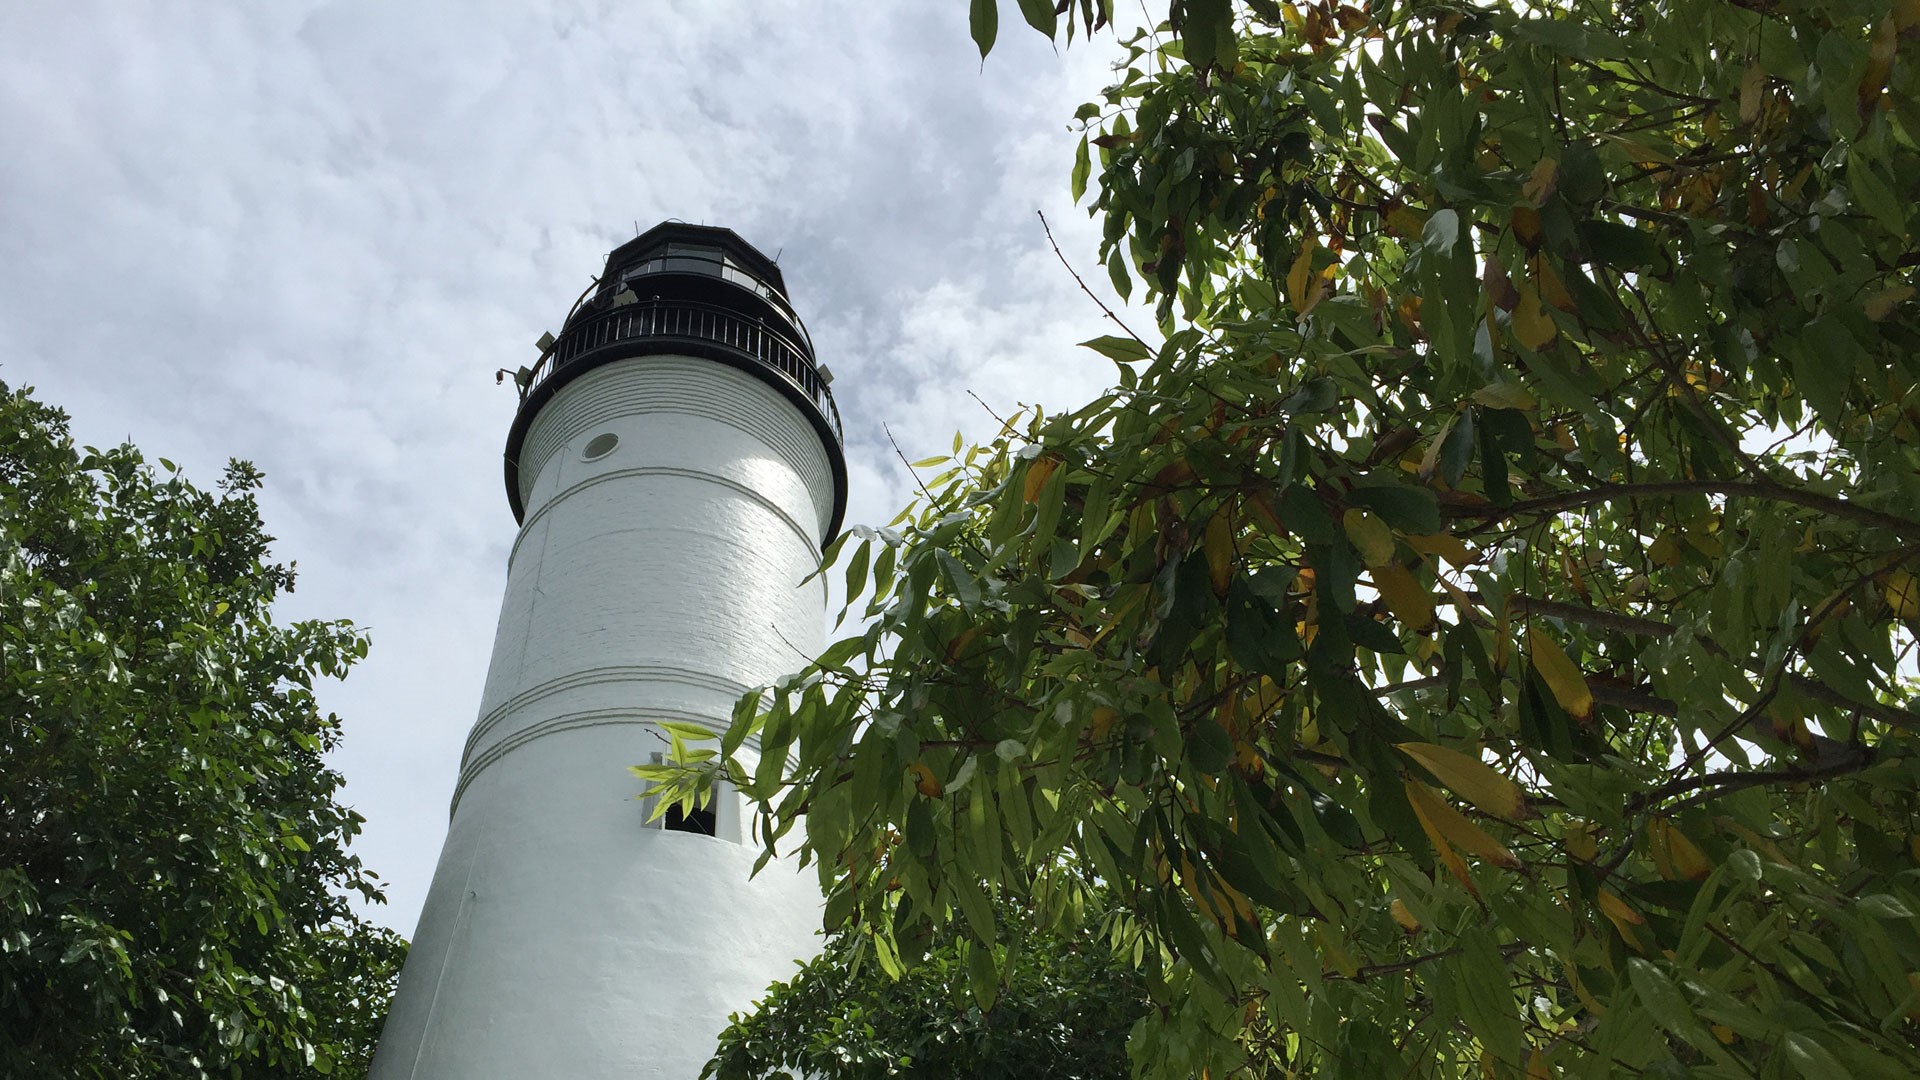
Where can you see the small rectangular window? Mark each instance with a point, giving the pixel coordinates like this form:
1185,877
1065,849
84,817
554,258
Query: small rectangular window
699,820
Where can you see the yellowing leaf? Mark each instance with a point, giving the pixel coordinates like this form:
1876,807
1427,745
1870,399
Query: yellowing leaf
1531,324
1552,289
1263,514
1881,304
1665,550
1623,918
1371,537
1300,277
1445,545
1580,841
1443,823
1586,996
1219,551
1338,958
924,779
1903,594
1674,855
1216,899
1405,222
1398,909
1504,395
1102,720
1526,226
1639,150
1037,473
1499,286
1880,50
963,639
1537,1067
1541,184
1471,779
1404,596
1562,676
1752,93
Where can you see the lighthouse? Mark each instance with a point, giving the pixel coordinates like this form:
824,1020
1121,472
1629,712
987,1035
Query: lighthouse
675,467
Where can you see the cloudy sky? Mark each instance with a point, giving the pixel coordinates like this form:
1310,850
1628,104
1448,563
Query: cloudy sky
307,233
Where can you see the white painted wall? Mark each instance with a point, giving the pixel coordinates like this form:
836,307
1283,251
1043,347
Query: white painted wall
561,938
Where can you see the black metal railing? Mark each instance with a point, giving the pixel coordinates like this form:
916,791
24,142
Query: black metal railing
690,320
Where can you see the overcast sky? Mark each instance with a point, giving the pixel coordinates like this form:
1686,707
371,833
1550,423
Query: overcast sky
306,234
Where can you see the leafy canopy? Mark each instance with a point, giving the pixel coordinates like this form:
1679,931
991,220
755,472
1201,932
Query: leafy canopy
172,861
1063,1012
1476,634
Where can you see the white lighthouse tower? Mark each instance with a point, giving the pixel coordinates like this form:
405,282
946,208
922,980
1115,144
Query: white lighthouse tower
675,466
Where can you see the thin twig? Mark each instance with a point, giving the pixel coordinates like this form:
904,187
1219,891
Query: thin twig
1083,285
989,408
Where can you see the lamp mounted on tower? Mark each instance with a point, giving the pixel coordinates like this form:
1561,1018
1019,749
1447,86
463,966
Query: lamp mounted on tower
675,465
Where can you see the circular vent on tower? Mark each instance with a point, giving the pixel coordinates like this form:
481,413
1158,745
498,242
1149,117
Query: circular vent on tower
600,446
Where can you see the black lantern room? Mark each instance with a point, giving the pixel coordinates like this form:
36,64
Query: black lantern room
689,290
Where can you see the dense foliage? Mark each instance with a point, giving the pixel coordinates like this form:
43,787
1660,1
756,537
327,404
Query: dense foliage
1476,635
172,861
1062,1011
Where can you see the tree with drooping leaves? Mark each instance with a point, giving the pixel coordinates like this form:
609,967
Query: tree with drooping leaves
1062,1010
173,863
1476,634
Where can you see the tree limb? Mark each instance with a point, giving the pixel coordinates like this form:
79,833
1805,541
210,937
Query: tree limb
1601,493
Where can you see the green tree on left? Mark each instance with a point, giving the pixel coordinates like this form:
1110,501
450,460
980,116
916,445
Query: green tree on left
174,873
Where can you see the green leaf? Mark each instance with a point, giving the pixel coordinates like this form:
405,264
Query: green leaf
1669,1008
1566,36
983,21
857,570
1117,273
1123,350
982,976
1883,906
1040,15
1258,638
1486,1002
1082,169
1316,395
1409,509
1206,33
1582,179
1456,452
692,732
1442,231
1874,195
1208,747
1622,247
1812,1059
1305,515
1824,364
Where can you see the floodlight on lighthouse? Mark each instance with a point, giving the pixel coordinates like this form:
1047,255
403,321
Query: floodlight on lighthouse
675,466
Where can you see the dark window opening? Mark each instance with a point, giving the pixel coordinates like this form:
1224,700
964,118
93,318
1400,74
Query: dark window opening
699,820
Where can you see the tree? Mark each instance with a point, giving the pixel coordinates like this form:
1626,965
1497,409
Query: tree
173,866
1476,635
1064,1011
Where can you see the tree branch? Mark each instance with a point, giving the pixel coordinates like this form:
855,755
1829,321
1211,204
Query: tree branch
1757,489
